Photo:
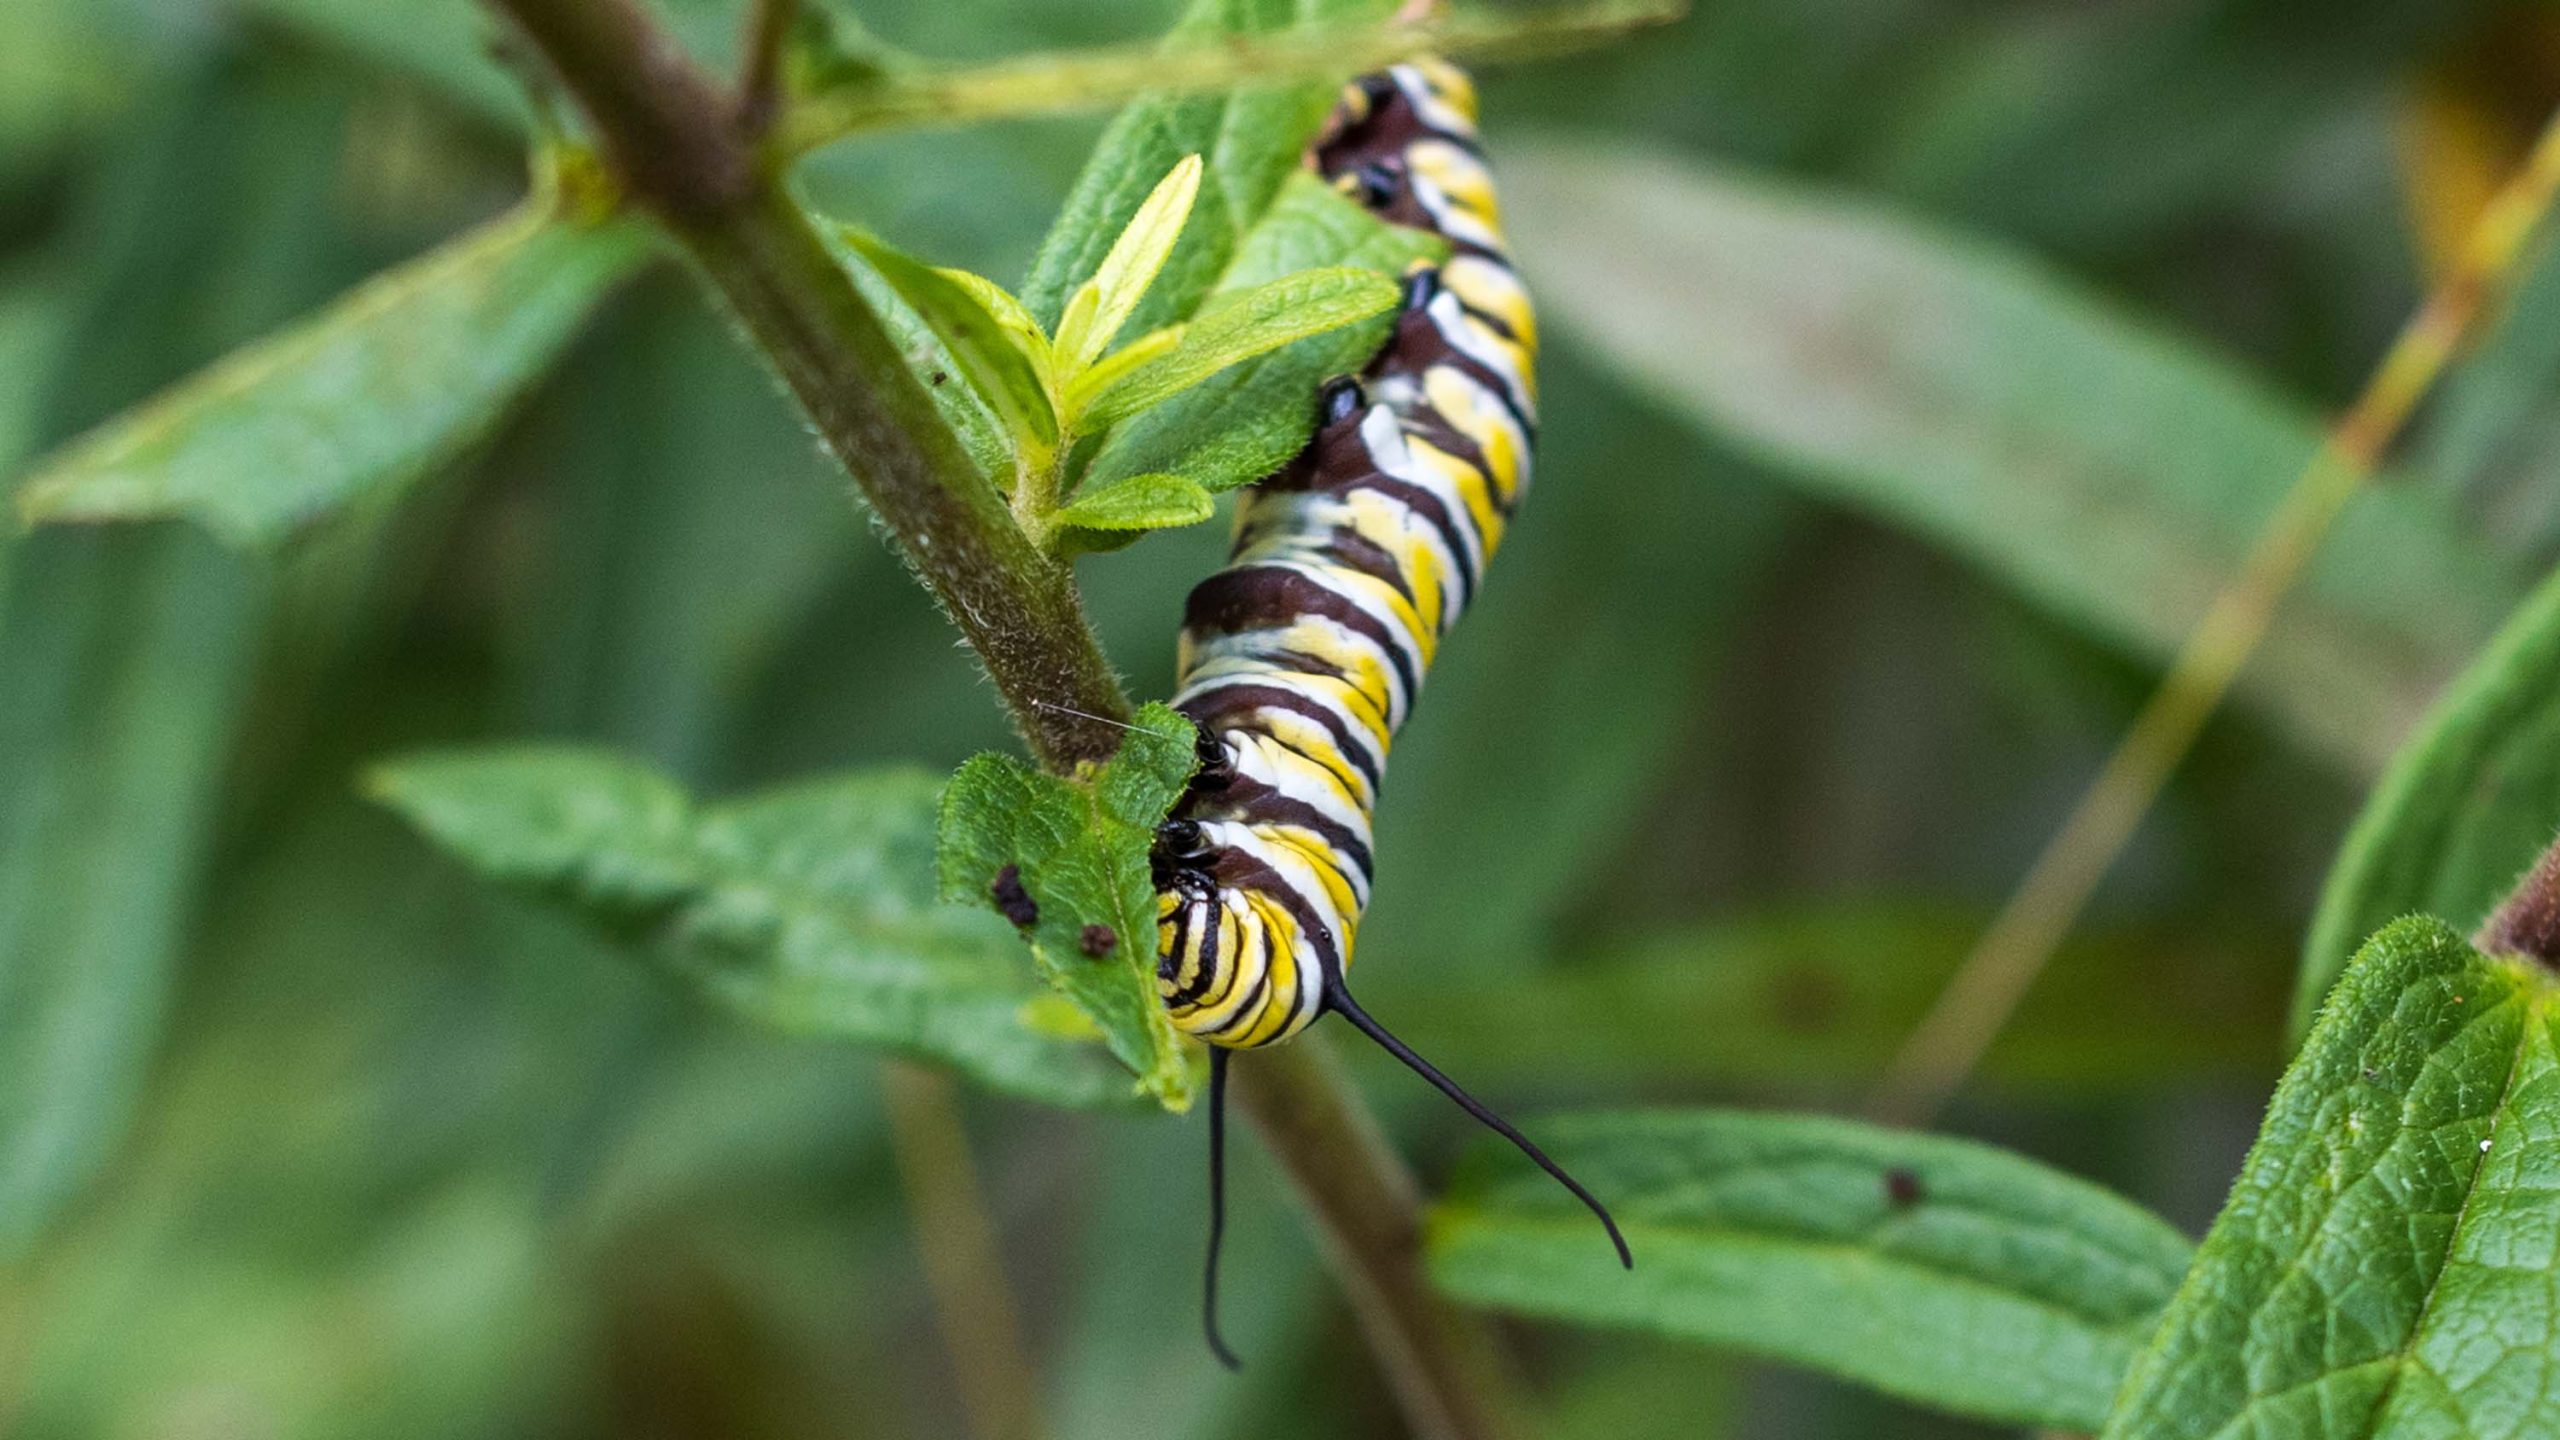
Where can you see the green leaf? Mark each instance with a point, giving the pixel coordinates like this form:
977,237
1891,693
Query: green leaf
810,909
2463,811
1234,328
1942,1271
1253,140
2106,471
1141,502
2385,1266
988,335
363,397
1078,850
1101,305
1246,420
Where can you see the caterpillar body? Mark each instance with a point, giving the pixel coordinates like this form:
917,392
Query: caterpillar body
1302,657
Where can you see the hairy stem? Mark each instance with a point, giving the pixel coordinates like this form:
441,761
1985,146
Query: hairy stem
676,142
684,151
1444,1366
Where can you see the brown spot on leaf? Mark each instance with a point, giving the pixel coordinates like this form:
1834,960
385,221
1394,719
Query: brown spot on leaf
1903,1188
1012,901
1098,940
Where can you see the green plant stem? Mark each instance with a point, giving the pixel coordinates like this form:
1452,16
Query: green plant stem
1447,1372
957,1243
675,142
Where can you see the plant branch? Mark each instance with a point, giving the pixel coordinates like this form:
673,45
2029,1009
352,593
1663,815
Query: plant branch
972,1303
675,142
1986,990
1441,1361
768,39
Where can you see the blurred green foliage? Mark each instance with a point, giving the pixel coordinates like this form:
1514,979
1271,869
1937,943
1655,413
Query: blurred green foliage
305,1132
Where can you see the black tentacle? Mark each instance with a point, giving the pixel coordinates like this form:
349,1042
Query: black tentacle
1217,1206
1338,998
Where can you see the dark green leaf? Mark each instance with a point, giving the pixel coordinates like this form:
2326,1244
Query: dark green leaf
2109,473
396,376
1246,420
125,660
1938,1270
1233,328
811,909
1141,502
2385,1265
1252,140
1078,850
2462,812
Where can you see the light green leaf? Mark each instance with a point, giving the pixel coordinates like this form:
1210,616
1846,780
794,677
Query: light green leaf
1141,502
2385,1266
810,909
2462,812
1254,139
987,334
363,397
1077,850
1945,1272
1237,327
1103,373
2108,472
1101,305
1245,421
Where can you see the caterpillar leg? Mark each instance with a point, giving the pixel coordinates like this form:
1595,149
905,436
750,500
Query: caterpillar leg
1218,1057
1338,998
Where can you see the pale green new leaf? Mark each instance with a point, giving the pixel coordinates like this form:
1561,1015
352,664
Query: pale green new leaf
1942,1271
984,331
1141,502
1234,328
1104,303
1245,421
810,909
2386,1267
1078,850
1253,139
363,397
2463,811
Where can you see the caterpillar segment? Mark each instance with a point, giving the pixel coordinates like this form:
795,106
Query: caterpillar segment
1303,656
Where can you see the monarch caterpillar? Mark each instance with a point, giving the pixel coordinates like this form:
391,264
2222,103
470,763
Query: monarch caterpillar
1302,657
